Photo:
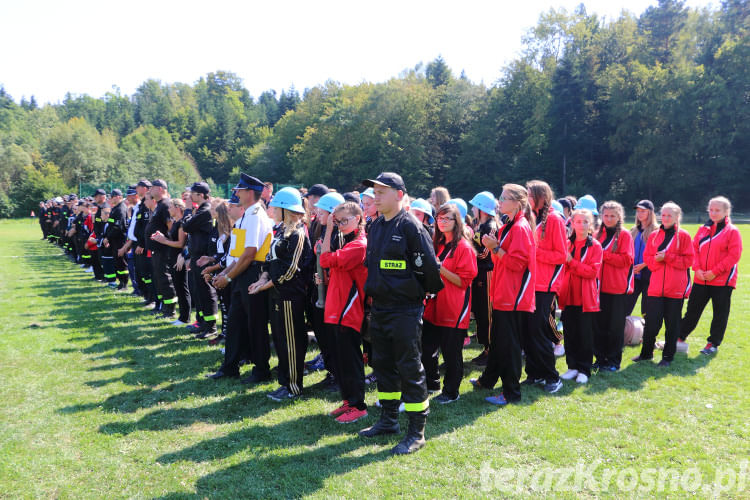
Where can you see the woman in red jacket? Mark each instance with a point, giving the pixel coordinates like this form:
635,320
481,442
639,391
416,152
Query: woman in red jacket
344,308
669,254
616,284
513,300
551,245
579,296
446,316
717,247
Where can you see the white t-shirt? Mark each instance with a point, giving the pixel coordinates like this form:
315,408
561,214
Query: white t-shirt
131,226
253,229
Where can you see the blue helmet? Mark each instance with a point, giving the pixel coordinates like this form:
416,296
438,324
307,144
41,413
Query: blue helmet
558,207
368,192
288,198
423,206
485,201
330,201
587,202
463,209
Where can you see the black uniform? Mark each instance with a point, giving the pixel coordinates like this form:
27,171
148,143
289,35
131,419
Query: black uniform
481,300
289,265
117,234
165,292
143,261
201,229
96,261
402,269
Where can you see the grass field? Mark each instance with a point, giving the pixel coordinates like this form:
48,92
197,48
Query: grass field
100,400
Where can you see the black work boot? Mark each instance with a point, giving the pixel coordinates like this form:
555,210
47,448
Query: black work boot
414,439
209,330
388,422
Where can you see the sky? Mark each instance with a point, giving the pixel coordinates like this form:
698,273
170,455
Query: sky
50,47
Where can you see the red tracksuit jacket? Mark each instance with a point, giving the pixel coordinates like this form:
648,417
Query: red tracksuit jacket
670,277
514,274
718,248
581,284
452,305
617,265
345,296
550,253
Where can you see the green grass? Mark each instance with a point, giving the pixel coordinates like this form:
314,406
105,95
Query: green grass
99,400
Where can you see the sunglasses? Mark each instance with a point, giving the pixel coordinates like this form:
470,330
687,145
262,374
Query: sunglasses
445,220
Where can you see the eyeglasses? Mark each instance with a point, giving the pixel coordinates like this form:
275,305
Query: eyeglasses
445,220
343,222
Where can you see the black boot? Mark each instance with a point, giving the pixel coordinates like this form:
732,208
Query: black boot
167,311
209,330
388,422
414,439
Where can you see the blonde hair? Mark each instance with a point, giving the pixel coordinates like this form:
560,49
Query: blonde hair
521,195
649,228
723,201
675,208
612,205
223,221
178,203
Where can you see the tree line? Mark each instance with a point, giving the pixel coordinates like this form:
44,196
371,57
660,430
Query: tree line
650,106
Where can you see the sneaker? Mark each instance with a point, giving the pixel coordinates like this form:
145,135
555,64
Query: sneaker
553,387
316,364
481,360
216,340
569,375
89,270
559,350
664,363
533,381
444,400
639,359
351,415
149,305
177,322
682,346
581,378
476,384
709,349
341,409
282,394
608,368
497,400
112,285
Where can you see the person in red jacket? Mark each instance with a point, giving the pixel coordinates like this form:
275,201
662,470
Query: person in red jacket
344,307
513,299
447,315
669,254
579,296
617,283
550,260
717,247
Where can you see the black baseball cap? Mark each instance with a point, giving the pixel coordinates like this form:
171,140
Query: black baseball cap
144,183
100,192
200,187
349,196
645,204
565,203
317,190
159,183
386,179
116,192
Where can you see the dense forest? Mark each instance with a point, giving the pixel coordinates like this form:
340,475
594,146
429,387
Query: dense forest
655,105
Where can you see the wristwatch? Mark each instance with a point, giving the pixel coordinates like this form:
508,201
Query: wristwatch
229,280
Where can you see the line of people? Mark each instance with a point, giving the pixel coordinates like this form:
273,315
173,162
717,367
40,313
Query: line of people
393,282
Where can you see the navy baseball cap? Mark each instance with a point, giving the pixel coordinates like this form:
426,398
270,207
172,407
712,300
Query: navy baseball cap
159,183
131,191
646,204
144,183
116,192
200,187
317,190
99,192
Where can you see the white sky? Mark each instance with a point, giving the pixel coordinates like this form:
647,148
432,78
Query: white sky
48,48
